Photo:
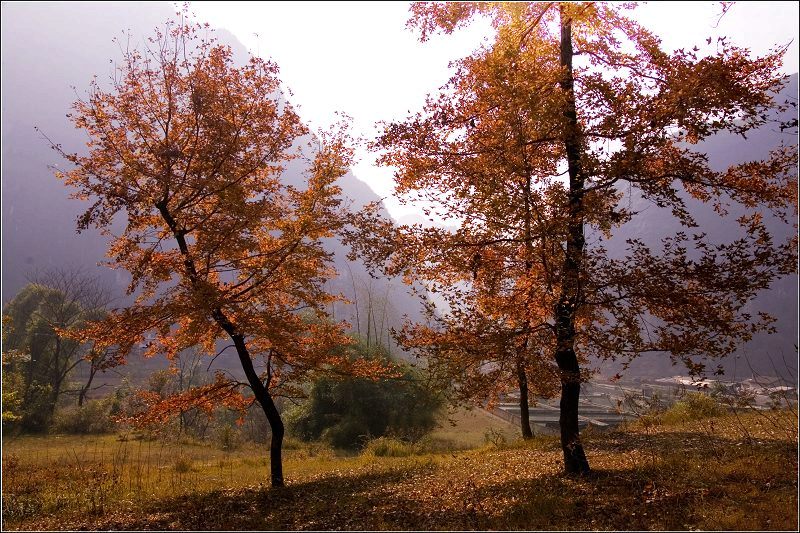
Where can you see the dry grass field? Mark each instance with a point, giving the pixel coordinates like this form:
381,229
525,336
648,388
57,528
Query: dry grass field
728,472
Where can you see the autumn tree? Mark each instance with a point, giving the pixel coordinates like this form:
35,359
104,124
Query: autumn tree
100,359
189,152
187,371
527,149
474,354
490,275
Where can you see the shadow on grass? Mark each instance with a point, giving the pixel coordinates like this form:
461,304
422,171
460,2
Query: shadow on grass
692,481
331,502
623,441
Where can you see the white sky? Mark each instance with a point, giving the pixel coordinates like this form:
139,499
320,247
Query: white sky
358,58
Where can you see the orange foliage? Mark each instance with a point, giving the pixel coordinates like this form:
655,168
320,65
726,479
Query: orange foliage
522,151
190,152
157,410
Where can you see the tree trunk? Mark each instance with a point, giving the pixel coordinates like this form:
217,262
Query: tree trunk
369,317
355,299
525,420
522,378
259,389
85,389
264,399
55,377
570,298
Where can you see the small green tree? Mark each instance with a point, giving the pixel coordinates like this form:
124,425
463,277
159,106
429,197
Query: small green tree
13,380
345,410
39,353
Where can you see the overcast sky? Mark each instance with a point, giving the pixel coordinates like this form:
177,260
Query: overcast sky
357,57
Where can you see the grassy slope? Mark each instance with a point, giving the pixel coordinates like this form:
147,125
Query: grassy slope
721,473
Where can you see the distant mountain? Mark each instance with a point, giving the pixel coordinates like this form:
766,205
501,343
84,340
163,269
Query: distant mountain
765,354
47,48
50,52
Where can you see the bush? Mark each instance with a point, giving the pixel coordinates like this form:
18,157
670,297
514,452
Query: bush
495,439
228,438
346,412
37,410
694,406
388,447
349,433
183,464
90,419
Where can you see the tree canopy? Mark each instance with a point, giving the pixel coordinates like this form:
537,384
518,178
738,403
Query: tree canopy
545,135
190,149
40,325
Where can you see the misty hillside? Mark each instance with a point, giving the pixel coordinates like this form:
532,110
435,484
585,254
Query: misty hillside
47,50
767,354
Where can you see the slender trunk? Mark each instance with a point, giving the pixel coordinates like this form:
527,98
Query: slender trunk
259,389
375,326
55,378
85,389
570,297
369,318
355,299
180,388
522,378
262,396
383,313
267,404
524,413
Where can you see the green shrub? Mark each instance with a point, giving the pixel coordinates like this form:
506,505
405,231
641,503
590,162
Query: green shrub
228,438
347,411
183,464
37,410
694,406
388,447
90,419
349,433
